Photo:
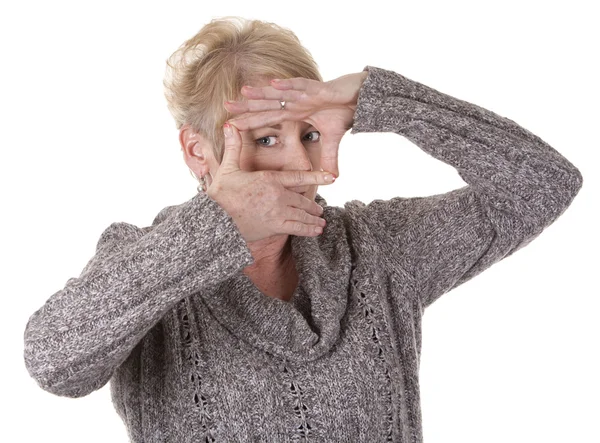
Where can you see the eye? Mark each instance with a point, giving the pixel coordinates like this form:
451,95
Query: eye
269,140
313,136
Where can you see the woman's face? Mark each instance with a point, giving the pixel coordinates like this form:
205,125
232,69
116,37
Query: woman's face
288,146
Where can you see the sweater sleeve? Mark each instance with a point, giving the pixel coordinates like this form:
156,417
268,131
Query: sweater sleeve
517,185
77,339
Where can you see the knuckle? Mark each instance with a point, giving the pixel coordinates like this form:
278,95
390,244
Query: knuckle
279,226
298,177
277,214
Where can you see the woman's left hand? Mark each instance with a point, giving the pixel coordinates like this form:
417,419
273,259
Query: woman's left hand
328,106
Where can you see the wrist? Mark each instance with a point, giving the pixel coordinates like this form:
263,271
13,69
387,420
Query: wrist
361,77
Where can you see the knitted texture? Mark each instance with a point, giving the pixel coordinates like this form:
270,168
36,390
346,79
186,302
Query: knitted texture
196,353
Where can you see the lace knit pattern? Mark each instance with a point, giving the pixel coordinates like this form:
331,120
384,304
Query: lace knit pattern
374,333
194,362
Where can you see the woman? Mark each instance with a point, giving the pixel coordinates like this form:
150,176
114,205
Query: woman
232,317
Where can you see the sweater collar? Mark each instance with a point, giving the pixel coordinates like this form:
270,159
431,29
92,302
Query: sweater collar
306,327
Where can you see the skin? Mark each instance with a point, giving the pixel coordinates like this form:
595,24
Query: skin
305,136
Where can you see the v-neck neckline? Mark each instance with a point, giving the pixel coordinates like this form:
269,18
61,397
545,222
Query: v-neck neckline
307,326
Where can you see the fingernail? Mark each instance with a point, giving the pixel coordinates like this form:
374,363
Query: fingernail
329,178
275,80
227,130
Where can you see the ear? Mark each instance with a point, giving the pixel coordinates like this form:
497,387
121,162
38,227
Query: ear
196,149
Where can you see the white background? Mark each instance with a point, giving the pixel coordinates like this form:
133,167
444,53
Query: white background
87,140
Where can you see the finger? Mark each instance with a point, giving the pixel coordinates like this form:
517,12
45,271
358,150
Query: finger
291,179
301,202
270,93
300,229
233,148
298,83
329,155
302,216
238,107
266,118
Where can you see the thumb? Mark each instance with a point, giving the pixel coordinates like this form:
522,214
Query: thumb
329,154
233,148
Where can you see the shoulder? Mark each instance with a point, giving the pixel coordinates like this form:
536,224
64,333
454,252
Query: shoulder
123,232
120,232
163,214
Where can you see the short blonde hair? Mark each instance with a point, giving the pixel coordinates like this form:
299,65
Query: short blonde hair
214,64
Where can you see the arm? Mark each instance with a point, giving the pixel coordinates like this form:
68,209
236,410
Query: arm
517,184
83,332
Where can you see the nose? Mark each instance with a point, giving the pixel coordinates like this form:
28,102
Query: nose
297,159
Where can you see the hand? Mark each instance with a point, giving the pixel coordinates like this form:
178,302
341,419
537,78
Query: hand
258,201
328,106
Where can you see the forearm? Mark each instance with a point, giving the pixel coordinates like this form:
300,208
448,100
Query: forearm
84,331
509,167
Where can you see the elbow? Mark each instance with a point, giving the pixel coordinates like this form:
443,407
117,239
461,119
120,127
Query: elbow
567,189
576,182
570,180
49,364
66,390
59,380
548,202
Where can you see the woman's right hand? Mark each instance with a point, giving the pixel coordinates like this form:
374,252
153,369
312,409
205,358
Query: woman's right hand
258,201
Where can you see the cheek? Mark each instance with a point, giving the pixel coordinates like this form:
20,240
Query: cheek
253,158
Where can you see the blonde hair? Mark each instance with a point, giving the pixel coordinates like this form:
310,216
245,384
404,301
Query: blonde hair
214,64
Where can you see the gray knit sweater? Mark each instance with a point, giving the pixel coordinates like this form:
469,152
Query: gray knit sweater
196,353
